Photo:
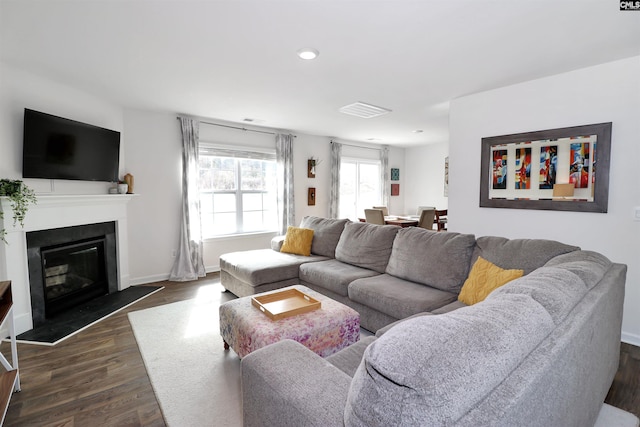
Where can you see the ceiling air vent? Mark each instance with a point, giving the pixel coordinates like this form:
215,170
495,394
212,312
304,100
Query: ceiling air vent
366,111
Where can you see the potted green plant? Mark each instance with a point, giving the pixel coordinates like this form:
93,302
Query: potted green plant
20,197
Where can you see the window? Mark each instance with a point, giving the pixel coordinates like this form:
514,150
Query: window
360,187
237,192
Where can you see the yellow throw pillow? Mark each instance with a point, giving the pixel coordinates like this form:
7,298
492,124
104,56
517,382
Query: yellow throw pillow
297,241
483,279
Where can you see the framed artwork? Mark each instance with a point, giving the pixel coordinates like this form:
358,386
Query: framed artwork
395,174
534,170
395,189
446,176
311,196
311,168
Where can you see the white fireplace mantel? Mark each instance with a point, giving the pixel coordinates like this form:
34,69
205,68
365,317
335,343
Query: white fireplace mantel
56,211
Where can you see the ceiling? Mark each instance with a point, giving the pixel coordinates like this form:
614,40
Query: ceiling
236,60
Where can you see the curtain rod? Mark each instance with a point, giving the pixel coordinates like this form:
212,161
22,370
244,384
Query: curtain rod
236,127
359,146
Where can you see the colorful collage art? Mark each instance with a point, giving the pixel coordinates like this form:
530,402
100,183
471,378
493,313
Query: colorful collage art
579,168
579,164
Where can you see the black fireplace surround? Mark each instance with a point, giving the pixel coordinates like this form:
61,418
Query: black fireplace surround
69,266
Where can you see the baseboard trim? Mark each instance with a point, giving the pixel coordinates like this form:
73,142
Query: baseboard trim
632,339
145,280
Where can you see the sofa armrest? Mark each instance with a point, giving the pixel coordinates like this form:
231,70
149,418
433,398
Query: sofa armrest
276,243
286,384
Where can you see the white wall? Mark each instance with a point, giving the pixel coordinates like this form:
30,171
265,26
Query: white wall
153,154
608,92
425,174
20,90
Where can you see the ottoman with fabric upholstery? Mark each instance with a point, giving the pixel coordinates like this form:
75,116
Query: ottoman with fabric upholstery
332,327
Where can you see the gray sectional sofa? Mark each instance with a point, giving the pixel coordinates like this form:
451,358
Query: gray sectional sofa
541,350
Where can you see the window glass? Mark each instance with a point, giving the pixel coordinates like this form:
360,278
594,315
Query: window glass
237,194
360,187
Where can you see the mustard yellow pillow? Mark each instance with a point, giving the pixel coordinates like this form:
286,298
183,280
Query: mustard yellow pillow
297,241
483,279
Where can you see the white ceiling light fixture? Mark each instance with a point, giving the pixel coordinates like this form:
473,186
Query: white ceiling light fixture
308,53
364,110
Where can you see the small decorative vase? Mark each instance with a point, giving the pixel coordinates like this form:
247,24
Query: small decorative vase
123,188
128,178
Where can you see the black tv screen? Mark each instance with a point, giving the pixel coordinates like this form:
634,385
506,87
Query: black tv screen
58,148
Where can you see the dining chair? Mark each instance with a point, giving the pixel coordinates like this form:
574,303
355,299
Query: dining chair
374,216
441,219
385,211
426,218
421,208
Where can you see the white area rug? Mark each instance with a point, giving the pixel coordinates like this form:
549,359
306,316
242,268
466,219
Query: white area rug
196,382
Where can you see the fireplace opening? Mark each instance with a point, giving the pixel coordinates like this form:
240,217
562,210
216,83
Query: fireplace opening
70,266
73,274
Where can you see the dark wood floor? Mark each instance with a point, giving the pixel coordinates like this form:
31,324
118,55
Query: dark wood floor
97,377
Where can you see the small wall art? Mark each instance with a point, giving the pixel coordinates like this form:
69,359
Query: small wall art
311,196
312,162
395,174
446,176
395,189
311,168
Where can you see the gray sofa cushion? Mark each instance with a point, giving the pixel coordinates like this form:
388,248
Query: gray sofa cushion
590,266
397,297
521,254
449,307
326,234
556,289
333,275
432,370
366,245
385,329
348,359
440,260
262,266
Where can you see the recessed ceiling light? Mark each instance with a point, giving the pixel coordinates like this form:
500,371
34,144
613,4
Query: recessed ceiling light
418,131
308,53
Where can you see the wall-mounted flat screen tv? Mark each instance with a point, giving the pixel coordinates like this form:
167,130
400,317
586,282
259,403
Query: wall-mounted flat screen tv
59,148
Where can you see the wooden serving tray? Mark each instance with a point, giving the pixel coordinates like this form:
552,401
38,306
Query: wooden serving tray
279,305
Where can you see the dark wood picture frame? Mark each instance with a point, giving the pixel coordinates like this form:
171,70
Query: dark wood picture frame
602,131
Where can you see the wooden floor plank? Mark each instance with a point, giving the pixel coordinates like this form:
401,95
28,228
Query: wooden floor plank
97,377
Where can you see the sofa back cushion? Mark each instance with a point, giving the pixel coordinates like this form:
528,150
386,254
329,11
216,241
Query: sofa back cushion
326,233
556,289
440,260
523,254
366,245
589,266
432,370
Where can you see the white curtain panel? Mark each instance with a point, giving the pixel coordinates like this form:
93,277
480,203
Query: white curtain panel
284,162
189,264
384,172
334,191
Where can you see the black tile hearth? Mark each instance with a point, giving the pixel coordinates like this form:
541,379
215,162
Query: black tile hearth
79,317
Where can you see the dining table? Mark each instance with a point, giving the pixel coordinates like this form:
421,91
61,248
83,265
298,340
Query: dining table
400,222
